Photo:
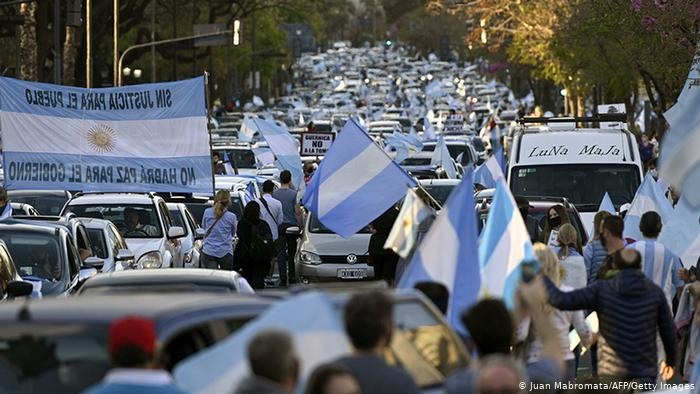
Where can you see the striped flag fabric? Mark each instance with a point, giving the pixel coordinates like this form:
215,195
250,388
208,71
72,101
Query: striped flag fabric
405,230
355,183
489,173
441,157
283,146
449,254
649,197
505,244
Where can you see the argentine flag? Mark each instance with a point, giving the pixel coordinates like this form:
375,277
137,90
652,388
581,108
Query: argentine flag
441,157
489,173
448,254
355,183
282,144
649,197
505,243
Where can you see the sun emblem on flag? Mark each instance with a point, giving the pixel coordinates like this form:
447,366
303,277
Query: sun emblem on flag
101,138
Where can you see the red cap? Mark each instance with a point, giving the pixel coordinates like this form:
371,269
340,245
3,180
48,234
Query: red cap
132,331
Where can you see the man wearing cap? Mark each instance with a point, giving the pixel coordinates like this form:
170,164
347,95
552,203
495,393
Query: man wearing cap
132,349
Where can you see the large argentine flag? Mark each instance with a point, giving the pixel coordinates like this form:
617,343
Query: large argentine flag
679,160
505,243
310,318
649,197
489,173
448,254
137,138
355,183
283,146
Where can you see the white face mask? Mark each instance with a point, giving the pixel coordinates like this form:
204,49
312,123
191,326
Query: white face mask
654,173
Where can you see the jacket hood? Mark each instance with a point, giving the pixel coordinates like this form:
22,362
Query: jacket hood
631,282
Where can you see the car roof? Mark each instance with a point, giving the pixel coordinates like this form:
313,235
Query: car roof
439,182
31,226
165,276
112,198
105,308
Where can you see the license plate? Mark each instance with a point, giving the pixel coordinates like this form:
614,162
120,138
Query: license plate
352,273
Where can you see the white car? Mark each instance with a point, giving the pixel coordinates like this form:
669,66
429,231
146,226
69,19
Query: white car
108,245
192,241
154,239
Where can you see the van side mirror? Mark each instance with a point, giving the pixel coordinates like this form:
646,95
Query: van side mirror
94,262
199,233
293,230
124,254
176,232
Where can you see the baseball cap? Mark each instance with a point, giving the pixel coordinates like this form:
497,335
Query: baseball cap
133,331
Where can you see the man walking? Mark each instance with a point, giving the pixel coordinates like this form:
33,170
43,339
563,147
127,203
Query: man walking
132,349
274,363
369,325
287,243
632,310
271,212
659,264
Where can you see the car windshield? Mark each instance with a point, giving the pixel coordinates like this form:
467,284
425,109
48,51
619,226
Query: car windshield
35,254
440,192
416,161
582,184
133,221
316,227
54,359
46,205
242,158
99,243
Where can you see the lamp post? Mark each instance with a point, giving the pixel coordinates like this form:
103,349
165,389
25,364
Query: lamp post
155,43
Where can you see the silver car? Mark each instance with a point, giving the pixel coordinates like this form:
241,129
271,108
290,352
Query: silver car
192,241
325,256
108,245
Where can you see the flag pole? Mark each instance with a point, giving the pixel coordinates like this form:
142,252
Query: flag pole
211,149
432,199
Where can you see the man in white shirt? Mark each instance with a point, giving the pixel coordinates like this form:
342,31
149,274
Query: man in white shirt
271,209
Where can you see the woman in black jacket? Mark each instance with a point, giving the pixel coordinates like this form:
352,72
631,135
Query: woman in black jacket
254,269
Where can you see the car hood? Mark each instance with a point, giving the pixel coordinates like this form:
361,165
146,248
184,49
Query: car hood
141,246
333,244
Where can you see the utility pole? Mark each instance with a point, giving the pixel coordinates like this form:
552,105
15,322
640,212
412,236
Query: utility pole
153,38
57,66
117,72
252,57
88,44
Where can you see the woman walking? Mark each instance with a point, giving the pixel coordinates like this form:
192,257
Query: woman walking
220,224
255,246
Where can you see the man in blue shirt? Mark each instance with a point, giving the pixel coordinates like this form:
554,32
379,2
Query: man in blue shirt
287,243
132,348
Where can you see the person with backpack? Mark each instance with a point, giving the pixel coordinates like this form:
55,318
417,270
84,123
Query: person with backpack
255,247
220,225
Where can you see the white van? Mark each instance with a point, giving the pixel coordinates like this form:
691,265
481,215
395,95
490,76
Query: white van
581,164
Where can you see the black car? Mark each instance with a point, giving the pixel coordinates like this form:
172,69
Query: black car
538,210
44,253
47,202
59,345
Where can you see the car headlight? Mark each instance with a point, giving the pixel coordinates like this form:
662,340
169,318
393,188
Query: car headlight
309,258
187,258
151,260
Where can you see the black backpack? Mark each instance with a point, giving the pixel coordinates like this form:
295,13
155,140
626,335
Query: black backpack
262,246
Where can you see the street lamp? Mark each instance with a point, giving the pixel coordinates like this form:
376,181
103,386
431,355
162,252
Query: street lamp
137,73
126,71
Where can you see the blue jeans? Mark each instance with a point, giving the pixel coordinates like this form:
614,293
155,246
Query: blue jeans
213,262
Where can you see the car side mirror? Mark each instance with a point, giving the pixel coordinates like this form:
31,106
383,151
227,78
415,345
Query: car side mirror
94,262
124,254
293,230
18,288
86,273
199,233
176,232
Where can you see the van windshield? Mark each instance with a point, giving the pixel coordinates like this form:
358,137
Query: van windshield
582,184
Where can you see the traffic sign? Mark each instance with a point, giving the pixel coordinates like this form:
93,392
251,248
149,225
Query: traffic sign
316,144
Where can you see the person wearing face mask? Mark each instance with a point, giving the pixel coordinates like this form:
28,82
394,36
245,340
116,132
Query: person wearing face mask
556,216
611,238
532,225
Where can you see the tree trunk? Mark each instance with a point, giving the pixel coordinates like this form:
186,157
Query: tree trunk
70,54
28,42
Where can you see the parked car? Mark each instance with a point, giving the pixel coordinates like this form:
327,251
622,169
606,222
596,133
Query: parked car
11,284
538,210
47,202
325,256
192,241
176,280
156,244
44,253
108,245
77,231
22,209
67,337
